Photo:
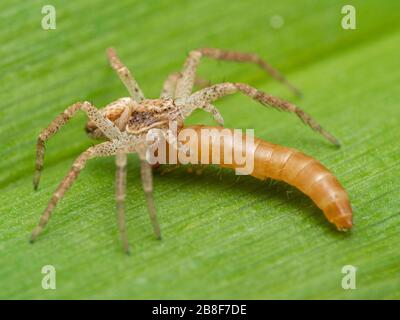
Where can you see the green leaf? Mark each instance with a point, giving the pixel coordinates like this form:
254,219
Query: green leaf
223,236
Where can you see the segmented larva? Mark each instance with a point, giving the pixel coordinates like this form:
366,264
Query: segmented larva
289,165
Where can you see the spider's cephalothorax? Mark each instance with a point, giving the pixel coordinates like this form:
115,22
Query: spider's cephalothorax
125,122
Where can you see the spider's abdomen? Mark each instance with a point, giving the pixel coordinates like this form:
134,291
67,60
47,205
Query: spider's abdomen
113,112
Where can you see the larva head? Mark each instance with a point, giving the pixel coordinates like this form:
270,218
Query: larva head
118,112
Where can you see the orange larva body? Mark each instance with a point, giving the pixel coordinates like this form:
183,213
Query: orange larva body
293,167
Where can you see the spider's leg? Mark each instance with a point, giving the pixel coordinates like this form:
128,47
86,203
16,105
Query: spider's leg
168,92
125,75
100,150
169,86
185,84
120,192
147,183
215,113
201,82
106,126
168,89
210,94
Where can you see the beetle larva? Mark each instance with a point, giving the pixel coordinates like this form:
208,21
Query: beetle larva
286,164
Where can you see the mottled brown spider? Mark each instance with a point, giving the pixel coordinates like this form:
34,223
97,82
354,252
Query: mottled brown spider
126,122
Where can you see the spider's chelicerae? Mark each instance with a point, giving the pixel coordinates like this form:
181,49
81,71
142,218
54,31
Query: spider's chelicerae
126,122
